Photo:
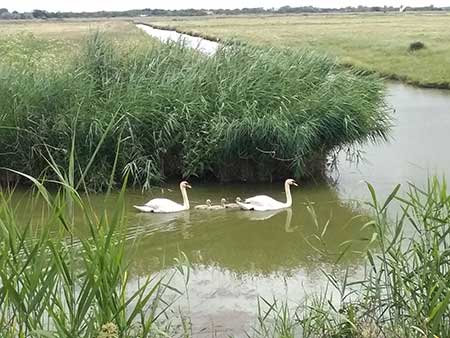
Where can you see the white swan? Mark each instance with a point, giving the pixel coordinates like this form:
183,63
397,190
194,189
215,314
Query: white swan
164,205
230,205
204,206
265,203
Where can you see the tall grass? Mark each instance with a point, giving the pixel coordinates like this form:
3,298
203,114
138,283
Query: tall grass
405,291
247,113
55,283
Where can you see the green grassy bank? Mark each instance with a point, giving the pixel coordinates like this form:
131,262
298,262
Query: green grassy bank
373,42
156,111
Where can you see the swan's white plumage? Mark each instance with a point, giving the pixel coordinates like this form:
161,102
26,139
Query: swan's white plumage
266,203
263,200
143,208
261,203
164,205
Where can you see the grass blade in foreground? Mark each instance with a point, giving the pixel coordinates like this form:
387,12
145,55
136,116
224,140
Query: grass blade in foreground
406,289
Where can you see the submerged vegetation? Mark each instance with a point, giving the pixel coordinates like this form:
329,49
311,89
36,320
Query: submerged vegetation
157,111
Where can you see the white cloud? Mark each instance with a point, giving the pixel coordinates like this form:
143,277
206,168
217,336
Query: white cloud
95,5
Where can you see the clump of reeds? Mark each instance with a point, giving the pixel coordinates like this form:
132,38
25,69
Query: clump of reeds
405,291
163,110
56,283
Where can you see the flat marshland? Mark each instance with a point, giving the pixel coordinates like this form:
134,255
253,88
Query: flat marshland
99,106
374,42
72,30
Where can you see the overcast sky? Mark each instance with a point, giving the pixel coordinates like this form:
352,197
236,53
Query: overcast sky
95,5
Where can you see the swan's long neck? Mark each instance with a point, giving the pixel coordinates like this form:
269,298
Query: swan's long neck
287,189
185,198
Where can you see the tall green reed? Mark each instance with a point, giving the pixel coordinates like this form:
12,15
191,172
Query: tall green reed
55,283
247,113
404,290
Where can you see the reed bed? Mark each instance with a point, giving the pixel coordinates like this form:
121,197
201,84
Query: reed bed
405,291
159,111
55,283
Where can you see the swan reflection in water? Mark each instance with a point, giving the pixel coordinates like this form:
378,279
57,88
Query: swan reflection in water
149,223
265,215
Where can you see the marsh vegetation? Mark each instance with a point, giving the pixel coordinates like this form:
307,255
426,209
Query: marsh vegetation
56,283
112,112
158,111
404,291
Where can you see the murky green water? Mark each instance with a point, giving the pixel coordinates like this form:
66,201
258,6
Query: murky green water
238,256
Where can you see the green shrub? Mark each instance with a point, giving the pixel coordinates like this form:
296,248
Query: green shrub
413,46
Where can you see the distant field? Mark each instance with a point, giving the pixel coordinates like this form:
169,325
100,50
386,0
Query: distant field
71,30
53,43
368,41
373,42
